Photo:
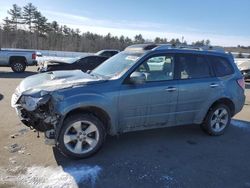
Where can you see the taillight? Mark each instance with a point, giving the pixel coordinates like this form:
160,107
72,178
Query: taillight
33,56
241,83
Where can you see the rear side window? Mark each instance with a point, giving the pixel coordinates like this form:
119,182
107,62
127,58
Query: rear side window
192,67
222,66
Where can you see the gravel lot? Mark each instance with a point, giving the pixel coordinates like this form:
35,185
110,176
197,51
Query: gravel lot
171,157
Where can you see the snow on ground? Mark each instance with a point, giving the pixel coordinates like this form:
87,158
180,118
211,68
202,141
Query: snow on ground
50,177
240,124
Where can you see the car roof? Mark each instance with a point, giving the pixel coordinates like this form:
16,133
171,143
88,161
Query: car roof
204,50
109,50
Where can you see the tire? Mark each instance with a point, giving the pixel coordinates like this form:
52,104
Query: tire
18,66
217,120
81,136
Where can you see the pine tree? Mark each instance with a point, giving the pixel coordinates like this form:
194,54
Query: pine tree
207,42
29,14
139,39
54,26
40,23
16,16
6,25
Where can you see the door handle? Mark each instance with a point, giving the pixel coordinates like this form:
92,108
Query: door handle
171,89
214,85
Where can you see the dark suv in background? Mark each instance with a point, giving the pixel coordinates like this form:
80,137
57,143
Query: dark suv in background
143,87
107,53
84,64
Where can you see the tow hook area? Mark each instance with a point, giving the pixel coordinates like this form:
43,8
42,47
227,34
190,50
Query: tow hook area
50,137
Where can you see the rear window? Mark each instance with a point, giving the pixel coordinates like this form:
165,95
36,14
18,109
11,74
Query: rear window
108,53
222,66
192,67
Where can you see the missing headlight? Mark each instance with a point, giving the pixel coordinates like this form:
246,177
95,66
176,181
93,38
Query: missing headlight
31,103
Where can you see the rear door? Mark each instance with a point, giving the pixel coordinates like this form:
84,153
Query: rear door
197,86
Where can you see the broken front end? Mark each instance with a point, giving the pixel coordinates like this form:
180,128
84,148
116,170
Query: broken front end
36,112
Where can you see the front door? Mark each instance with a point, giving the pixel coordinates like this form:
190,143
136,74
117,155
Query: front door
153,103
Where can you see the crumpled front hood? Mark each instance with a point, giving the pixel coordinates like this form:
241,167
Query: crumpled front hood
52,81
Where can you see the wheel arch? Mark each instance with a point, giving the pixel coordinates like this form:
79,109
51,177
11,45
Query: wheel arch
203,112
226,101
96,111
13,58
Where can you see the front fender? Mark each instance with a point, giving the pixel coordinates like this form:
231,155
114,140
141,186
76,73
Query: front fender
83,100
64,105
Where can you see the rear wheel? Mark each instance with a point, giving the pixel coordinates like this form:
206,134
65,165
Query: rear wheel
217,120
81,136
18,66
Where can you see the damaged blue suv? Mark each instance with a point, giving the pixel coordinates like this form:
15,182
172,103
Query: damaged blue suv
145,86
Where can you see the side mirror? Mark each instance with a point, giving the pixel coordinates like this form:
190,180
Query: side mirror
137,78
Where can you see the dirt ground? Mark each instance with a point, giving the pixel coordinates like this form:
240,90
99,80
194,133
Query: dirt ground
171,157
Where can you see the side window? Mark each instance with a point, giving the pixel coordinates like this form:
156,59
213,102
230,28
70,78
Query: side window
192,67
158,68
221,66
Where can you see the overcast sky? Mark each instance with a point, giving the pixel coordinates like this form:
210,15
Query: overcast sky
224,22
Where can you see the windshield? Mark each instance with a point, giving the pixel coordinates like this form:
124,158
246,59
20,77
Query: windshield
117,65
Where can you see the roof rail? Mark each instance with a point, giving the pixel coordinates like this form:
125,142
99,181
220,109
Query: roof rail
141,47
191,47
152,46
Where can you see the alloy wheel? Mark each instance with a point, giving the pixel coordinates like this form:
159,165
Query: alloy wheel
81,137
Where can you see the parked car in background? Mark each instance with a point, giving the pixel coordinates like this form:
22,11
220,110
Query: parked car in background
244,66
81,63
18,60
107,53
143,87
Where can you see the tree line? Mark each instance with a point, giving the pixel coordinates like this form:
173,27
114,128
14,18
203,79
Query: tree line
26,27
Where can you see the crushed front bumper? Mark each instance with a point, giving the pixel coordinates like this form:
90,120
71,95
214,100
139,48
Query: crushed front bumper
41,119
30,120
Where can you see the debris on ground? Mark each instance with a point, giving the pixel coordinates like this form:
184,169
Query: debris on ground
12,160
14,148
19,133
23,131
22,150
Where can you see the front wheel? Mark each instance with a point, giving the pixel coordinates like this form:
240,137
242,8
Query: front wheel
81,136
217,120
